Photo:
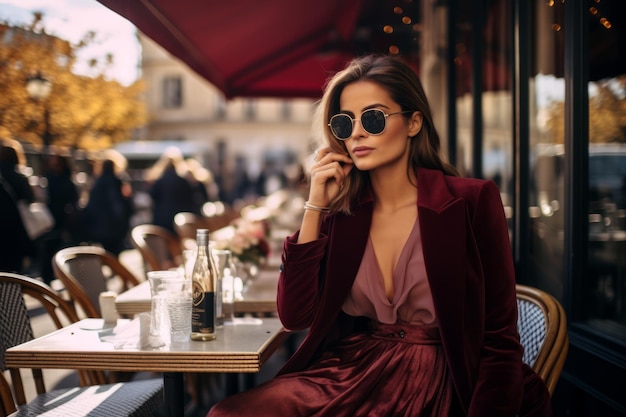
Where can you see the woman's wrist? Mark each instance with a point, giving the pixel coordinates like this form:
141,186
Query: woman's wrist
313,207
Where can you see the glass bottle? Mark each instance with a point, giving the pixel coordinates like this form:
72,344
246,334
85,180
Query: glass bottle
204,278
226,272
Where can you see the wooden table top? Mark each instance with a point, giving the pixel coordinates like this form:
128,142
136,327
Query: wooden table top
260,297
91,344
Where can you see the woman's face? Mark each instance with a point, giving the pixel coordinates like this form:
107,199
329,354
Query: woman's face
383,150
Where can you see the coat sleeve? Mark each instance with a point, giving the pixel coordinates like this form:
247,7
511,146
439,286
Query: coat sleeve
300,282
498,389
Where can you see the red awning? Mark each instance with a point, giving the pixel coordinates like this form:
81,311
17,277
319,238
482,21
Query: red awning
278,48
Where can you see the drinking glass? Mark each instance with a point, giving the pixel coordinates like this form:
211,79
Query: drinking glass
171,308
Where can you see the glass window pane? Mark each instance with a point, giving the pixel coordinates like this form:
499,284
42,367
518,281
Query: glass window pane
172,92
497,100
606,277
464,96
546,195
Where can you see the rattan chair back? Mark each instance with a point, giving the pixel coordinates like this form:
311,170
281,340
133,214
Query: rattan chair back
86,271
160,248
542,326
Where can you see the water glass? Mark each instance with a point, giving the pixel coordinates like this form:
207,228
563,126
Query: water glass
171,308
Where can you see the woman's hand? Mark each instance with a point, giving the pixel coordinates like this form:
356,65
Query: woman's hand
327,176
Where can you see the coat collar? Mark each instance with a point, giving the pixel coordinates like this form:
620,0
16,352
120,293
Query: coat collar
434,192
444,231
440,213
443,225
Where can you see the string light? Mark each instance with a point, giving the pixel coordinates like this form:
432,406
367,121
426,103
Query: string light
594,11
404,15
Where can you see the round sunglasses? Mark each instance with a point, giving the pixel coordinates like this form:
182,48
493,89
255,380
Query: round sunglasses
372,120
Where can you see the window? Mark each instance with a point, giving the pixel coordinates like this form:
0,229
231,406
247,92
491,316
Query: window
286,110
172,92
250,109
606,261
220,108
546,151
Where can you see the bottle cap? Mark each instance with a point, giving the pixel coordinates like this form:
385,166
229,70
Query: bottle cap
202,236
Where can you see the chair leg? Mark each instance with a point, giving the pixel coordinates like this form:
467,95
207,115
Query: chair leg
18,387
39,384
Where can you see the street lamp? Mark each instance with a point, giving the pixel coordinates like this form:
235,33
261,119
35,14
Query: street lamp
38,88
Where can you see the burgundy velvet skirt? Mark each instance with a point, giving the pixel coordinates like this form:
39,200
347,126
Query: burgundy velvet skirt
394,370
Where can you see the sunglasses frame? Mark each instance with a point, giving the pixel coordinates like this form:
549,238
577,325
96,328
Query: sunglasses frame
385,115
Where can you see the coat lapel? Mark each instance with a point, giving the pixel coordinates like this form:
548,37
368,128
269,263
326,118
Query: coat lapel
443,223
442,218
348,240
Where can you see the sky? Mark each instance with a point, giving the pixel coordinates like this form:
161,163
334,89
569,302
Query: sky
72,19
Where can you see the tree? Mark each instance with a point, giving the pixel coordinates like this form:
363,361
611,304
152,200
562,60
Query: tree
81,112
607,113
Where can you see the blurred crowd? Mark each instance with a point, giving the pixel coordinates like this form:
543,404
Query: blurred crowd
103,208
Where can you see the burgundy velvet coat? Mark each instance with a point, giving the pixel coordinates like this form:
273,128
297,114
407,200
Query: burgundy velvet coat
470,270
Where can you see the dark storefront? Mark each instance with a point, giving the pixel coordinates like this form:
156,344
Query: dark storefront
538,103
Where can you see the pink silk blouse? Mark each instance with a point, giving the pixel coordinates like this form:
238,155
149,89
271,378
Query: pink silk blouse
412,301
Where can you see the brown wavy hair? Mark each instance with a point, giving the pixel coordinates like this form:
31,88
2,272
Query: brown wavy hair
405,88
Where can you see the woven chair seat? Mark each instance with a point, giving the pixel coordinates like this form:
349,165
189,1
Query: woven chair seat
132,399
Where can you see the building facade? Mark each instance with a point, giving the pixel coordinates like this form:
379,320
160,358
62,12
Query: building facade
187,111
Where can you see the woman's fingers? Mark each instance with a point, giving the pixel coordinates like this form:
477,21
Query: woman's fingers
327,179
328,174
325,155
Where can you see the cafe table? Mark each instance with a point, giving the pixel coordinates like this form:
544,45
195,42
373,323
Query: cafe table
92,344
258,297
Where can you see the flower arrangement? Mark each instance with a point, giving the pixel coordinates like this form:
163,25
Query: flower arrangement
248,242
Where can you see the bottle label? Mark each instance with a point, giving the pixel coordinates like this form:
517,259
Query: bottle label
203,312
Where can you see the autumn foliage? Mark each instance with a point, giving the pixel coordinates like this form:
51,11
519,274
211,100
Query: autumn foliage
82,112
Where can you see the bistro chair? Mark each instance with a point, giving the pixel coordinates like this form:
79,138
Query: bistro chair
217,214
136,398
87,271
186,225
160,248
542,326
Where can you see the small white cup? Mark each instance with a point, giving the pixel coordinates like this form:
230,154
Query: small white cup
107,307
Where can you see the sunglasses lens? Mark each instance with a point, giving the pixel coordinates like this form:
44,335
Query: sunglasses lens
341,125
373,121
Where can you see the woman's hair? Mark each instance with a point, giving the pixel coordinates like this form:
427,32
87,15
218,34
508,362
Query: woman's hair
13,152
405,88
8,155
172,157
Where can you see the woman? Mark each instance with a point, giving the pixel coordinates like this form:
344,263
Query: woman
401,271
106,218
15,245
170,192
62,200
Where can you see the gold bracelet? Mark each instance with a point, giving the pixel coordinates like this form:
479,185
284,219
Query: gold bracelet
308,206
